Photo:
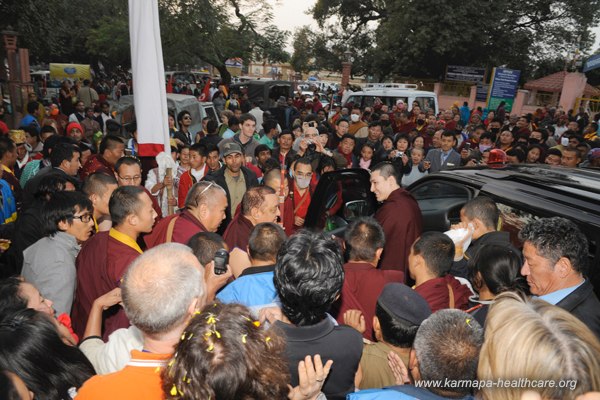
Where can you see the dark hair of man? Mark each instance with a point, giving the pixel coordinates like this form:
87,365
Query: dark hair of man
63,152
124,201
31,347
62,207
499,268
517,152
554,238
395,332
181,115
308,277
32,130
97,183
127,160
255,198
204,245
286,132
498,120
10,295
32,106
232,121
200,149
210,148
303,161
484,209
448,134
324,162
386,169
363,237
486,135
52,142
246,117
310,118
373,124
447,347
109,142
437,250
265,241
340,120
269,125
260,148
6,145
211,126
52,184
348,136
47,129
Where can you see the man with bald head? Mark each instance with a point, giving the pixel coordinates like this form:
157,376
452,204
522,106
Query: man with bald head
161,291
204,210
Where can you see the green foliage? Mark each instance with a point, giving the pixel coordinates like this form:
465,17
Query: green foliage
192,31
420,38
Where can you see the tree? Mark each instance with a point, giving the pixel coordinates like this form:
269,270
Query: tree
217,30
420,38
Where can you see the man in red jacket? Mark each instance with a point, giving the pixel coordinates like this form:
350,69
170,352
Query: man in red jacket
399,215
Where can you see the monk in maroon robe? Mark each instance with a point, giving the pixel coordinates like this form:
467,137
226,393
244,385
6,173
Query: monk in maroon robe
104,259
399,215
431,258
259,204
204,211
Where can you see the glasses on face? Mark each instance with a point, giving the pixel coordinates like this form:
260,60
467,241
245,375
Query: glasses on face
85,218
187,117
130,178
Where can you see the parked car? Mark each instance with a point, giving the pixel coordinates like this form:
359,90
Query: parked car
522,193
389,94
175,104
265,91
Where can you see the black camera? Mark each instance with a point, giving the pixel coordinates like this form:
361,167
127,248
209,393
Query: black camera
312,147
221,261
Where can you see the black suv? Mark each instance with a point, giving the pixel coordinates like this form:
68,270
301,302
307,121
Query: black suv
522,193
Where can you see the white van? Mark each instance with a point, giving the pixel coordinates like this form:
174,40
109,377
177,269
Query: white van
390,93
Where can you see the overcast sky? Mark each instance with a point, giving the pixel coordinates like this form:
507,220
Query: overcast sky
291,14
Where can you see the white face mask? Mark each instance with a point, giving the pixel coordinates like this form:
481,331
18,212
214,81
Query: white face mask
354,117
564,141
302,183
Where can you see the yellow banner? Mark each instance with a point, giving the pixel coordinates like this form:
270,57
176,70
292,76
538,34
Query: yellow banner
70,71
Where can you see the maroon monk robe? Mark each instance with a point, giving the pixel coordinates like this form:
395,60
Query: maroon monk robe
402,224
363,284
101,264
186,226
437,293
238,233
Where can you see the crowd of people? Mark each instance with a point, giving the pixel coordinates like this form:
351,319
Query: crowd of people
122,280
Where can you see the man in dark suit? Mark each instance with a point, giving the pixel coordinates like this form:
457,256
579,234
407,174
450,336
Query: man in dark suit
556,266
445,157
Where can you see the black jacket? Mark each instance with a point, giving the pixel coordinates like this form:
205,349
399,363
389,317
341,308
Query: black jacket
219,178
584,304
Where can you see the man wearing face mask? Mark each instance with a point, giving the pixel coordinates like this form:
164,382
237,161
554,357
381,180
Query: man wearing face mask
301,191
494,127
357,127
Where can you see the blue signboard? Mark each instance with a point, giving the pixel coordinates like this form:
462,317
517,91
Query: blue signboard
592,63
503,87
